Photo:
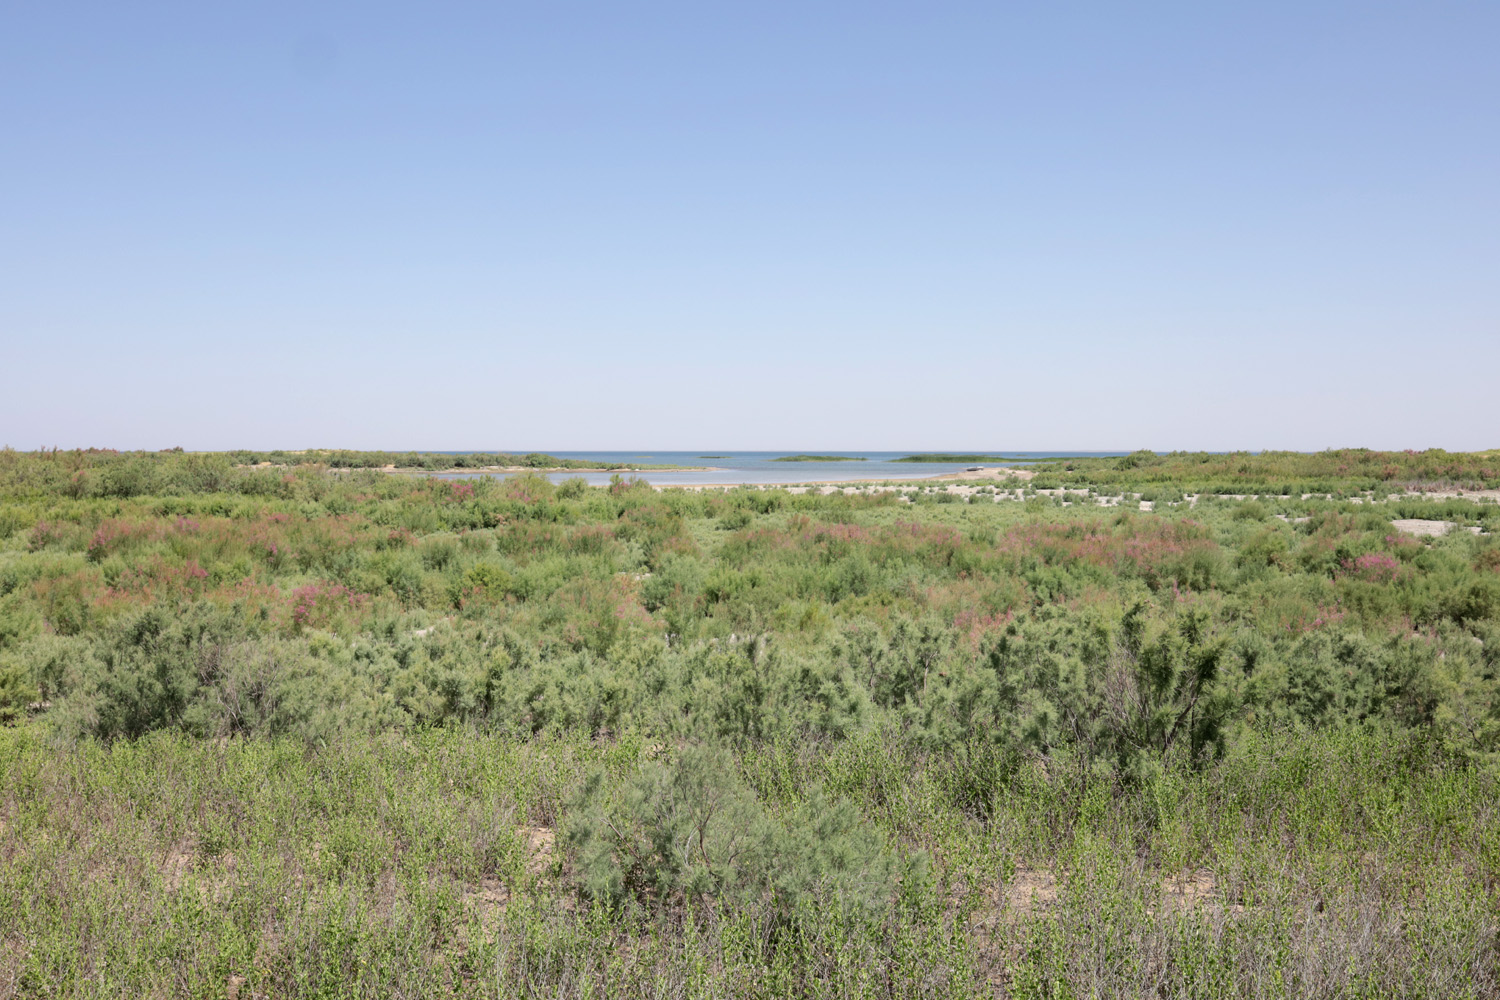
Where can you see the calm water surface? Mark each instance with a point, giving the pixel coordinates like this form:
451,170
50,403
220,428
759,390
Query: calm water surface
758,467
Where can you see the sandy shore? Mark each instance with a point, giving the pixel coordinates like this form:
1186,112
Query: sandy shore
552,470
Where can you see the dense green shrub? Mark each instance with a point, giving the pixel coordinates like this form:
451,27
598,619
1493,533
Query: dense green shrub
800,614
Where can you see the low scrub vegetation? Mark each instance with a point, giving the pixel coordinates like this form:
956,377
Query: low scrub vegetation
1293,473
292,732
820,458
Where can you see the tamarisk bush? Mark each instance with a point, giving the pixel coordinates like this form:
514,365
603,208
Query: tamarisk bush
690,832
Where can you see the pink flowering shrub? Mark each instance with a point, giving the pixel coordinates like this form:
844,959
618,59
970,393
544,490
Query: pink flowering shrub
975,625
47,533
527,488
1376,567
446,491
158,576
1160,552
319,605
116,534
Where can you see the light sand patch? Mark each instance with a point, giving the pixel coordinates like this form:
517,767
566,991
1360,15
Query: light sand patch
176,865
1195,890
541,844
418,633
1030,890
989,474
1446,494
1420,526
487,901
1034,891
489,898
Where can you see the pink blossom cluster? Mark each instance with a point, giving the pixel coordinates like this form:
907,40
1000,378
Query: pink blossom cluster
316,602
113,533
1145,548
1376,566
44,534
837,533
158,574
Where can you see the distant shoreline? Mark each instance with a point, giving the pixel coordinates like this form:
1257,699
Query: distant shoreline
989,474
982,475
512,469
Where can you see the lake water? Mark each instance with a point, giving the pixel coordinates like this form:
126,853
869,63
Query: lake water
758,467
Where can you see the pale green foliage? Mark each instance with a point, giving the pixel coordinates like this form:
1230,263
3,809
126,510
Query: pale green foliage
692,832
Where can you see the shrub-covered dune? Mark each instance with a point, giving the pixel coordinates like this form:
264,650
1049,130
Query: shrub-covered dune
291,732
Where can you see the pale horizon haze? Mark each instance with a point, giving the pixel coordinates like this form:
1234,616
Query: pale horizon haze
585,226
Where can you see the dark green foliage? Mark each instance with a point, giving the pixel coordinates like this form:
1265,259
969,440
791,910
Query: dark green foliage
17,690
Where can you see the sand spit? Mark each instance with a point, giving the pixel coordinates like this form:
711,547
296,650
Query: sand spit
981,476
512,469
1013,484
966,484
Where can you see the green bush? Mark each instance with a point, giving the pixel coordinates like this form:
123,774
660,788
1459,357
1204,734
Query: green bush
692,832
16,691
573,488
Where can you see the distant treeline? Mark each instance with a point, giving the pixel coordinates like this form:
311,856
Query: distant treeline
1280,472
430,461
820,458
103,472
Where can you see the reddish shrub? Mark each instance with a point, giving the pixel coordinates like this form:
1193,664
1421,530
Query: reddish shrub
319,604
1377,567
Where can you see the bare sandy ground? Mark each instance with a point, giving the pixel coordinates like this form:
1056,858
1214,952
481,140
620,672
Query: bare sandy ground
528,468
1420,526
988,475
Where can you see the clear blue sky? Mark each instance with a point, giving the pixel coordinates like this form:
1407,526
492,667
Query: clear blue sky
811,225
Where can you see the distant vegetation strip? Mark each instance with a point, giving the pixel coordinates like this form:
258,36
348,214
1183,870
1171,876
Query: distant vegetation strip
428,460
106,473
1279,472
820,458
437,461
